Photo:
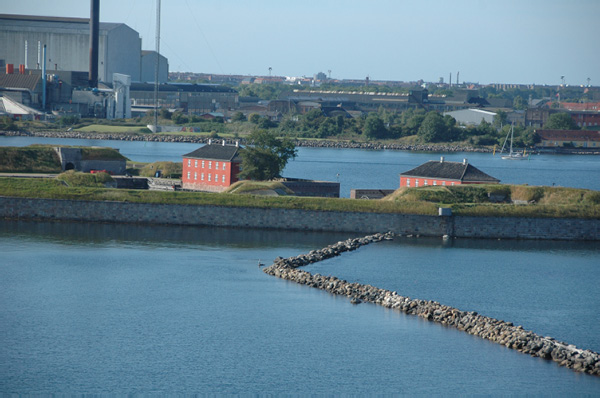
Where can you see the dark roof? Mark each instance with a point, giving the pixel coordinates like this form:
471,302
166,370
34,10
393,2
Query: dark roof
460,171
183,87
227,153
16,80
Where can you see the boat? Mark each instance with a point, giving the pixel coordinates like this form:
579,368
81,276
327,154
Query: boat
511,154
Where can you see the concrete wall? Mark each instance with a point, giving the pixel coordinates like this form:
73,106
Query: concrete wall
463,227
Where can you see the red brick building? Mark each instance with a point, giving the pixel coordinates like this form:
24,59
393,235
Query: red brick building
211,168
445,173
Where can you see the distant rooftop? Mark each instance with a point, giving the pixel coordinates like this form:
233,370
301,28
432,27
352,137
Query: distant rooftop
460,171
229,153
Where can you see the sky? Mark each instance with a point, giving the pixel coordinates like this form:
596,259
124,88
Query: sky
487,41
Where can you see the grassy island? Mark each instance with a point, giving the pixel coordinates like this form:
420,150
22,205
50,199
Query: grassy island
473,200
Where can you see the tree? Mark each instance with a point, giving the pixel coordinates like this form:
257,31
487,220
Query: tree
518,103
267,156
560,121
500,119
433,128
374,127
254,118
7,124
238,117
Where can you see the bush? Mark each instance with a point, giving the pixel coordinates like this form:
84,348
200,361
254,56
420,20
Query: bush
77,179
527,193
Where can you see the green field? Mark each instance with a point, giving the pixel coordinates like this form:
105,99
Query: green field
101,128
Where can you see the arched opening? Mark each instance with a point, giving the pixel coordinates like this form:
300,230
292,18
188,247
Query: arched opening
69,166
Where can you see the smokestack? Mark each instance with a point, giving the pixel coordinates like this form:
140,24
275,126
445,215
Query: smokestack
94,29
44,79
450,79
457,74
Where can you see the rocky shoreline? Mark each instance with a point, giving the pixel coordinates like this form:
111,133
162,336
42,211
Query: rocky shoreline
204,140
494,330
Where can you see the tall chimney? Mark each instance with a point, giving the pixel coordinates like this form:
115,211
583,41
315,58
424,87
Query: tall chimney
94,29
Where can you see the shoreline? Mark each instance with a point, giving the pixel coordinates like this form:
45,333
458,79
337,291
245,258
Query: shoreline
304,143
175,138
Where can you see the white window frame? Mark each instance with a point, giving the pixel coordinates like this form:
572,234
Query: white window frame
189,175
223,178
209,176
203,164
201,176
195,176
195,163
189,162
209,164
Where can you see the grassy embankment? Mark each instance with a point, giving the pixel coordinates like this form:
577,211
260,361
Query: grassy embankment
31,159
536,201
464,200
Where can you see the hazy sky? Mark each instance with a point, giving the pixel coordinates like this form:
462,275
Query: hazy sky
488,41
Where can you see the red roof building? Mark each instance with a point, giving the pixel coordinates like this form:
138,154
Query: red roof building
211,168
576,138
445,173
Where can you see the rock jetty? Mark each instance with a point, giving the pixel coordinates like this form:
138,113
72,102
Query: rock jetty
204,140
495,330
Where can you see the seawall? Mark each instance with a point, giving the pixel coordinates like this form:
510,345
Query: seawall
497,331
296,219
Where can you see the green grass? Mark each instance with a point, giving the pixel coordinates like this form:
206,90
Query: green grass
101,128
167,169
31,159
244,187
473,200
95,153
76,179
555,202
54,189
44,159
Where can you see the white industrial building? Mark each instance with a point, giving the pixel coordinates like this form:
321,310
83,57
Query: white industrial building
472,117
67,43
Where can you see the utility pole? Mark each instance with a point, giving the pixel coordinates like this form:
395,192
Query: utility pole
156,67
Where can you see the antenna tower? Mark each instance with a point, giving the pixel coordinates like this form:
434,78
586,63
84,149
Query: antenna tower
156,66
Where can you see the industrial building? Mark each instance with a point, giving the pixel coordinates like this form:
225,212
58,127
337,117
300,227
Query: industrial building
67,43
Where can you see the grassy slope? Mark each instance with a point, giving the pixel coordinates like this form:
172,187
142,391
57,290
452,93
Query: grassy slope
53,189
552,202
473,200
29,160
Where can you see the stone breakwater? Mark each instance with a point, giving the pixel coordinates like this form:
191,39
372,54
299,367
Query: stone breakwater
204,140
495,330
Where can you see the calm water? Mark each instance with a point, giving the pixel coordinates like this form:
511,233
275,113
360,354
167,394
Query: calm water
133,309
359,168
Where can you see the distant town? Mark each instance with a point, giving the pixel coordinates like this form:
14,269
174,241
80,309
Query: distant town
60,71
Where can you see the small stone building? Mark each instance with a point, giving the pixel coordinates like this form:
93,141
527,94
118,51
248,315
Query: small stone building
91,159
445,173
212,168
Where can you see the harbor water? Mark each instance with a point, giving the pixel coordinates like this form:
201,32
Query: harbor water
94,308
124,309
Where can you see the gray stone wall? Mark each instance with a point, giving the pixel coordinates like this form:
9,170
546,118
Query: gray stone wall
245,217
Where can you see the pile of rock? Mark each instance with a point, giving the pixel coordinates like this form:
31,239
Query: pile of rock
495,330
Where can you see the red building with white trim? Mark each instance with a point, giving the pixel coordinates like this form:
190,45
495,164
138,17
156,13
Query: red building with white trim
445,173
211,168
